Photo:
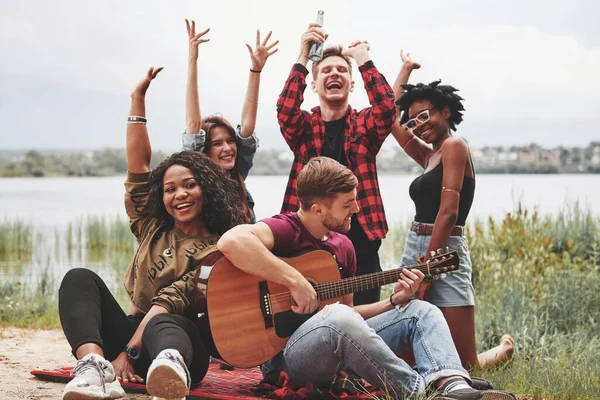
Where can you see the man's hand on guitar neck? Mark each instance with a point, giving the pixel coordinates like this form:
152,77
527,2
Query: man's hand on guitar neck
304,297
407,285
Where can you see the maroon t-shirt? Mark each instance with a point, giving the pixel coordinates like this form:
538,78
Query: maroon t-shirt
292,239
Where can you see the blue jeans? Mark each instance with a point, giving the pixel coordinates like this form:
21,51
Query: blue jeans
337,337
453,291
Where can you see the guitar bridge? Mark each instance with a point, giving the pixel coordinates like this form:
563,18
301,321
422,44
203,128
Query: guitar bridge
265,303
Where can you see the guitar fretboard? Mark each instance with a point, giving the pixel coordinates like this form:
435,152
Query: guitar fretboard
360,283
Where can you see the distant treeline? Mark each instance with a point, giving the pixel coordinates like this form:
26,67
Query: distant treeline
109,162
105,162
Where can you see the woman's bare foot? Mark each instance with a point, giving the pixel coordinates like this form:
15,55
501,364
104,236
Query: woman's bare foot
499,354
509,343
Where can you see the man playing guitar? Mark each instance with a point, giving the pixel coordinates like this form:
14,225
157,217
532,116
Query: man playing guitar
364,338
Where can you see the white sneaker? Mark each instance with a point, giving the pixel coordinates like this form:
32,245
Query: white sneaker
94,379
168,376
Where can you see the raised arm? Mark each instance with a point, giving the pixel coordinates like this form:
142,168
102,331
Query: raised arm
138,147
314,33
193,117
380,117
414,147
408,65
258,56
359,51
292,120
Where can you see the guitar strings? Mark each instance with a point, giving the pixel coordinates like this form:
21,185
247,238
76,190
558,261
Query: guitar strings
341,287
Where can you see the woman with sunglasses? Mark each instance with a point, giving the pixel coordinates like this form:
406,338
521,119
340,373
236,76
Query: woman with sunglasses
443,195
231,149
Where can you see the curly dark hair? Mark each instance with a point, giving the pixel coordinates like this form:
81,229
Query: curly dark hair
440,96
221,202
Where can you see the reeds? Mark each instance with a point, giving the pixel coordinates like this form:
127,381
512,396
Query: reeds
16,240
534,281
536,278
105,236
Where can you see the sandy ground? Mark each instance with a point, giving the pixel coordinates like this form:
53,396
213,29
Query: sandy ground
22,350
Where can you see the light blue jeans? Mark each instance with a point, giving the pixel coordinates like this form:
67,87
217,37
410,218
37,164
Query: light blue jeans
452,291
337,337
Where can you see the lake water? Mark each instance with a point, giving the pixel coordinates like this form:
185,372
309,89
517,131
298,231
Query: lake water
51,202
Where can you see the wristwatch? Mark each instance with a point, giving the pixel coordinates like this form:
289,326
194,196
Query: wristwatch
132,352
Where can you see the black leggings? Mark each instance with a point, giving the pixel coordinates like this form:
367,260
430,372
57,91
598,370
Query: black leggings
89,313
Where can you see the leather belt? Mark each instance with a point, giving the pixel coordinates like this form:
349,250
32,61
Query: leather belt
427,229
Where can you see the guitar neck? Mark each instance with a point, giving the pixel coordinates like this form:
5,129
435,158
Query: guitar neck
360,283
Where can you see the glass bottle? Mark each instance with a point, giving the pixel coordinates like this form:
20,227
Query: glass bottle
315,50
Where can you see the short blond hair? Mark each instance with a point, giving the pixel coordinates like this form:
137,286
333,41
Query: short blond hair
322,178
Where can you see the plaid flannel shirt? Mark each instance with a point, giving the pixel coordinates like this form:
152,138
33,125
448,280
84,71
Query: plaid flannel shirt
365,132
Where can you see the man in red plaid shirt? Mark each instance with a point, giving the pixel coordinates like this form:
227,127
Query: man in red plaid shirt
334,129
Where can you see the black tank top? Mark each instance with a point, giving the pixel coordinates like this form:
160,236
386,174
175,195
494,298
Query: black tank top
426,193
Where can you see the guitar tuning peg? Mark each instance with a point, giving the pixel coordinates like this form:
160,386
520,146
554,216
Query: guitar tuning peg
432,253
450,273
440,251
436,277
442,276
447,249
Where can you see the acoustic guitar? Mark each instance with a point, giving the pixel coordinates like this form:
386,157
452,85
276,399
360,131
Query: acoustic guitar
245,320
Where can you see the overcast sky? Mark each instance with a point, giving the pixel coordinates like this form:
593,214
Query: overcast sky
527,69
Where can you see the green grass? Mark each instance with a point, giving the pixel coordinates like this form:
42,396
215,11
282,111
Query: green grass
100,244
16,239
390,252
29,305
107,236
536,283
536,278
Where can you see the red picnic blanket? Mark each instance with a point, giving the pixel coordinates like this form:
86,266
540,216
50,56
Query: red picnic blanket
217,384
249,384
347,386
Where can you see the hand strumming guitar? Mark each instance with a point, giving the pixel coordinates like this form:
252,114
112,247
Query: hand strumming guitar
304,297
